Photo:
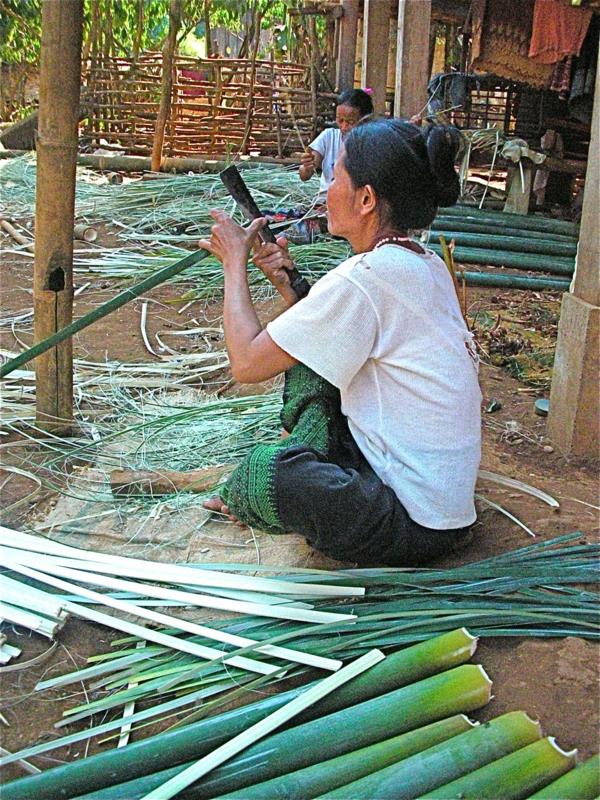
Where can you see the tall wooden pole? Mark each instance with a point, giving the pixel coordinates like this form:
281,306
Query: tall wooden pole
60,76
376,45
347,53
167,83
574,418
412,57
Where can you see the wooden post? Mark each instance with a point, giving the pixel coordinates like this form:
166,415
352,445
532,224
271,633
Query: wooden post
314,55
574,417
412,57
347,53
167,83
376,45
60,76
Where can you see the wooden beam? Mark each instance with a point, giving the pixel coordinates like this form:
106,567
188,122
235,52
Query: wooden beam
412,57
60,76
376,45
574,417
347,53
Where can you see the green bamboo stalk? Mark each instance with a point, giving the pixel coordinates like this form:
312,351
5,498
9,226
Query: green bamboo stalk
444,762
458,690
581,783
468,225
103,310
325,776
514,776
407,666
514,281
521,244
522,221
480,255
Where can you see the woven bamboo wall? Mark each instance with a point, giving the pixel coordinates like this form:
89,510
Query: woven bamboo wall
219,105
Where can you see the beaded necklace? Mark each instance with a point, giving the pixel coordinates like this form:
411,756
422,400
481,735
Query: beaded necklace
391,240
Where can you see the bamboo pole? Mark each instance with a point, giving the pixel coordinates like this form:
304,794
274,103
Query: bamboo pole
167,83
65,334
60,75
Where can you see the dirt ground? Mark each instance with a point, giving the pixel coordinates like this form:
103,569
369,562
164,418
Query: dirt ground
553,680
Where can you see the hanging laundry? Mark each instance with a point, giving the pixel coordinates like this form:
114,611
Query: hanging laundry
561,77
558,30
500,41
581,99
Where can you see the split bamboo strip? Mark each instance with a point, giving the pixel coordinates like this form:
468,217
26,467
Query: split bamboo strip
86,571
181,574
581,783
414,776
27,619
130,608
516,775
45,565
327,775
458,690
261,729
174,747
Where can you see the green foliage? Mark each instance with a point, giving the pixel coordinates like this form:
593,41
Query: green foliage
19,31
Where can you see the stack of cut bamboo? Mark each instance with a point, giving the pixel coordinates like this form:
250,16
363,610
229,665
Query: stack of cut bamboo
524,242
379,728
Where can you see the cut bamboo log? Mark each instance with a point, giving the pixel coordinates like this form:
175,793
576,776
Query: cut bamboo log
581,783
518,773
458,690
180,745
414,776
18,237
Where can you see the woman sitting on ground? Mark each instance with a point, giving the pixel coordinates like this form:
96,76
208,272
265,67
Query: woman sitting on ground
321,154
381,396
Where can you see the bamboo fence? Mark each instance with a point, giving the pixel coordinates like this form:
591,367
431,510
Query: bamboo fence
219,105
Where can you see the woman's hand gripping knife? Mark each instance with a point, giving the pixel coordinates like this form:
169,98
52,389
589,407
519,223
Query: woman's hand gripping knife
253,355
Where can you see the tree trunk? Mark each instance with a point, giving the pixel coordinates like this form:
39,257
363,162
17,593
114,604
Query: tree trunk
209,47
60,77
167,83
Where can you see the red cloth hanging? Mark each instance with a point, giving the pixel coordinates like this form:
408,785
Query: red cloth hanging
558,30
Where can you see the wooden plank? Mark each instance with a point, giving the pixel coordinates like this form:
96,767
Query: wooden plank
412,57
376,45
347,52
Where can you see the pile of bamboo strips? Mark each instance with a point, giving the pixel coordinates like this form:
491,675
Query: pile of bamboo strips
28,607
393,727
210,102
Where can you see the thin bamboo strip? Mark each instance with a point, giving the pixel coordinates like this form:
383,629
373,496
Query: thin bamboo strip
264,727
188,575
137,630
190,599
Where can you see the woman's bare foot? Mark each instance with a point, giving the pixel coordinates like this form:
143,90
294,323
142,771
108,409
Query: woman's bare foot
217,506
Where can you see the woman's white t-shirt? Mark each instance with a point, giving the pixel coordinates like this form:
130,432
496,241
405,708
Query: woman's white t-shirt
328,144
385,327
